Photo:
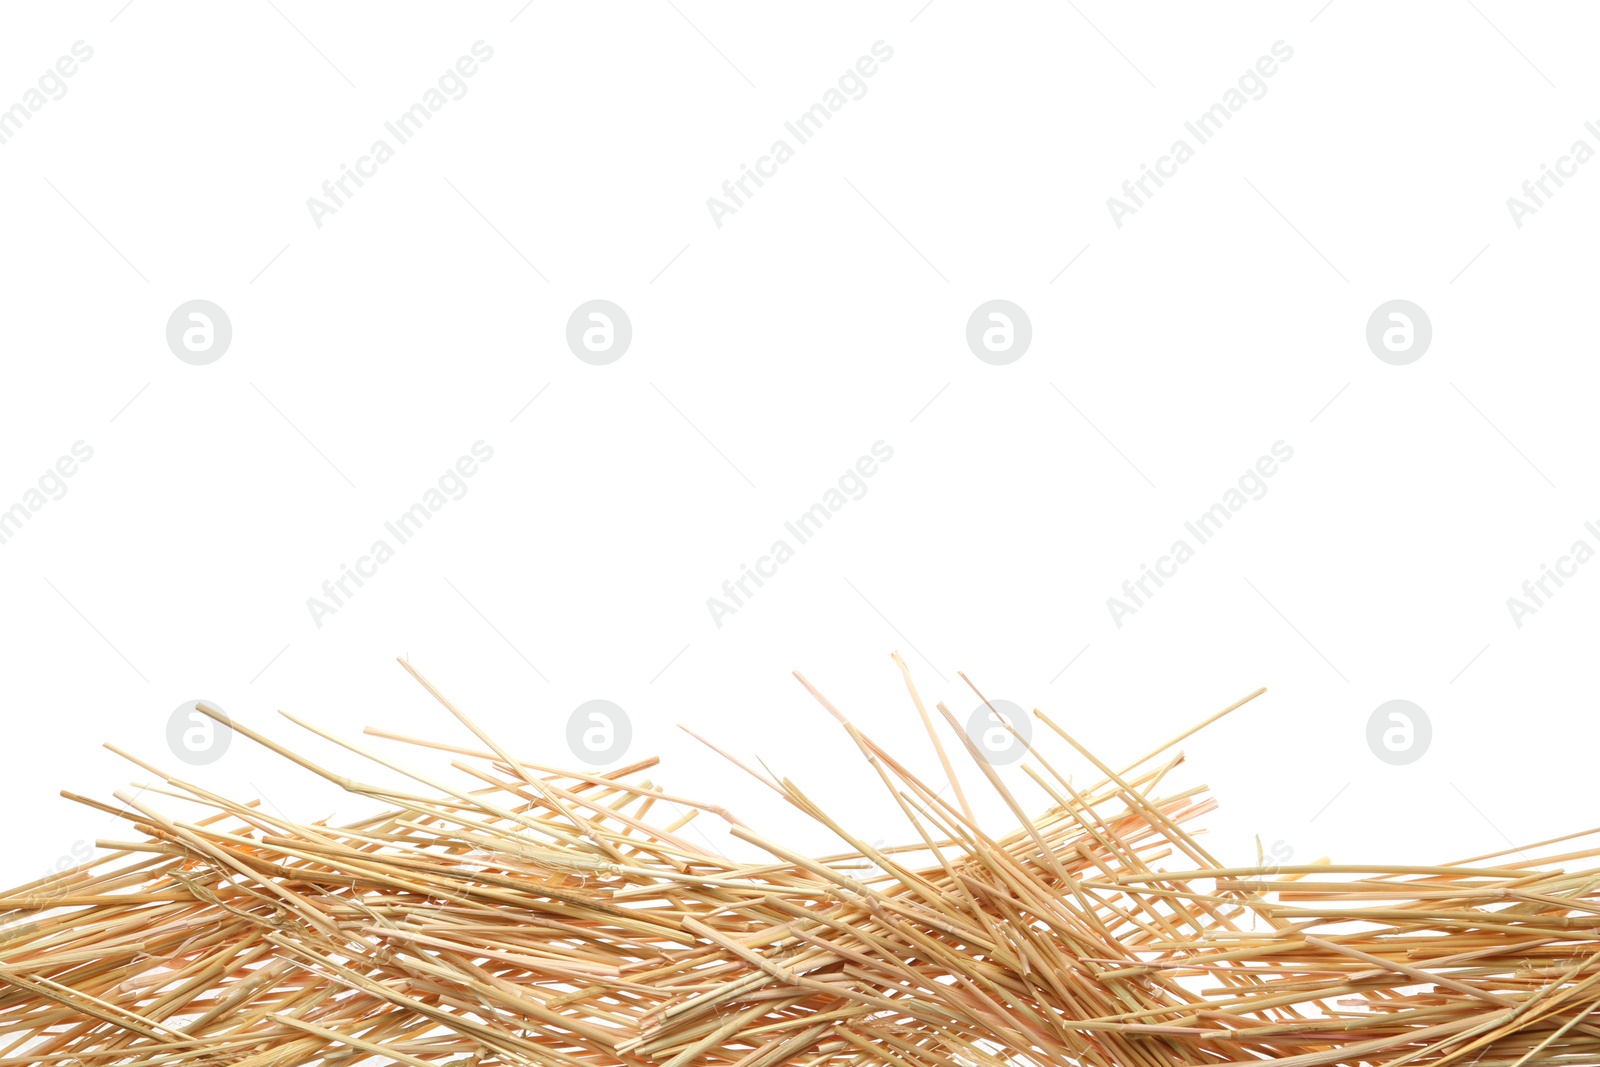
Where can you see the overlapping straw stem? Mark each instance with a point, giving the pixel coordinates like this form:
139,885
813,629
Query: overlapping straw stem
502,911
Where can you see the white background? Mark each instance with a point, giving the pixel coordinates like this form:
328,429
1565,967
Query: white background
768,355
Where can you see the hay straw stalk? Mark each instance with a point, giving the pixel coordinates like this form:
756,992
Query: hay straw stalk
510,912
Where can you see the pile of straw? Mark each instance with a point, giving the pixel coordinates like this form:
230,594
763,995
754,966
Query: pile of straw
520,914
